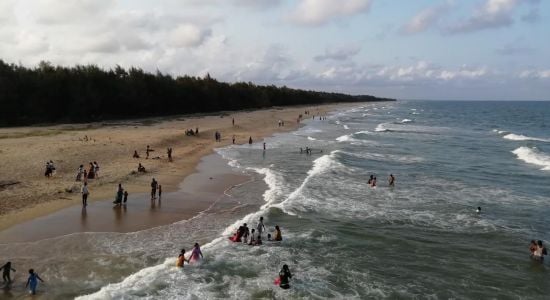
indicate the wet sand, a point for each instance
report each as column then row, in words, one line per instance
column 196, row 193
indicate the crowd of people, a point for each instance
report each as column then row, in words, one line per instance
column 91, row 173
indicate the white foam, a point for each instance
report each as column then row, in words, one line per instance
column 519, row 137
column 381, row 128
column 311, row 138
column 406, row 121
column 533, row 156
column 346, row 127
column 345, row 138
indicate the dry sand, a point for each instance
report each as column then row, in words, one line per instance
column 25, row 193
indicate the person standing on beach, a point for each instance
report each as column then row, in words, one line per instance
column 261, row 227
column 85, row 193
column 96, row 169
column 233, row 121
column 33, row 281
column 154, row 185
column 169, row 152
column 125, row 196
column 160, row 191
column 264, row 146
column 119, row 194
column 6, row 273
column 250, row 140
column 233, row 139
column 147, row 152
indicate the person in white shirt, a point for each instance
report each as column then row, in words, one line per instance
column 85, row 193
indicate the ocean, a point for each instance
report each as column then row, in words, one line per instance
column 342, row 239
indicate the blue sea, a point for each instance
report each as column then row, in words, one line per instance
column 421, row 239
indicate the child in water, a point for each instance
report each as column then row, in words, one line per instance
column 181, row 259
column 33, row 281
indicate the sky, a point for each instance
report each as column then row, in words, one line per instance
column 405, row 49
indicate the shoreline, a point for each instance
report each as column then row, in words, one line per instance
column 116, row 162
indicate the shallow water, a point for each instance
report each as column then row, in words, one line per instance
column 421, row 239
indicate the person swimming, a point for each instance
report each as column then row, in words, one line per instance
column 370, row 180
column 540, row 251
column 478, row 210
column 269, row 237
column 532, row 248
column 196, row 254
column 391, row 180
column 278, row 235
column 181, row 259
column 284, row 276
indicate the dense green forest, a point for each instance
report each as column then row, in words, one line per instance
column 54, row 94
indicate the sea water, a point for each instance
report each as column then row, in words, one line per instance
column 341, row 238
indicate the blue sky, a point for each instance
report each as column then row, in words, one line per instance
column 422, row 49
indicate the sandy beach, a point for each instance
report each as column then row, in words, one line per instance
column 26, row 194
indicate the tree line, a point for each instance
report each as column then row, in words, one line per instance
column 56, row 94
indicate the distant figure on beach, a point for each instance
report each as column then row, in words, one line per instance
column 250, row 140
column 181, row 259
column 278, row 235
column 125, row 197
column 136, row 155
column 147, row 152
column 540, row 251
column 218, row 136
column 96, row 169
column 85, row 193
column 196, row 254
column 50, row 168
column 284, row 277
column 91, row 171
column 141, row 168
column 169, row 153
column 478, row 209
column 261, row 227
column 197, row 131
column 119, row 194
column 154, row 185
column 233, row 121
column 32, row 282
column 233, row 139
column 79, row 173
column 391, row 180
column 160, row 191
column 6, row 272
column 264, row 146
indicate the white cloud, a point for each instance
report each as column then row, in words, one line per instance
column 188, row 35
column 318, row 12
column 492, row 14
column 341, row 53
column 535, row 74
column 425, row 19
